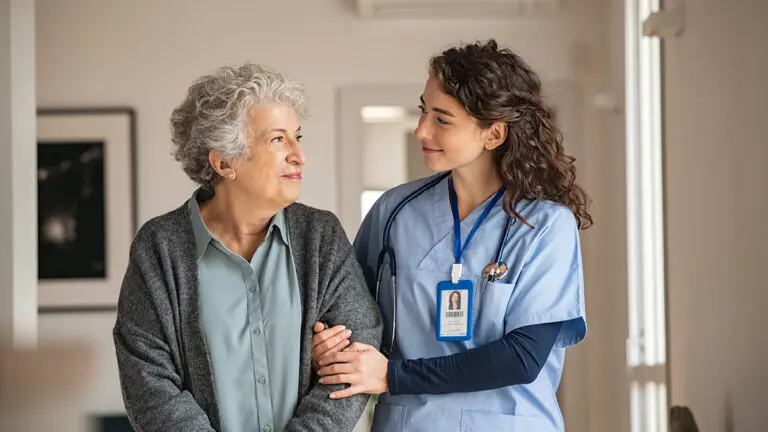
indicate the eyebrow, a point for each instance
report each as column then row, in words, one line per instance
column 281, row 130
column 436, row 109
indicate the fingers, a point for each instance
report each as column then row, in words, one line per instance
column 318, row 327
column 360, row 347
column 327, row 341
column 328, row 348
column 347, row 392
column 340, row 358
column 329, row 338
column 355, row 347
column 324, row 358
column 335, row 369
column 324, row 333
column 339, row 379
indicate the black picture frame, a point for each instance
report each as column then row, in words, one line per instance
column 66, row 132
column 111, row 423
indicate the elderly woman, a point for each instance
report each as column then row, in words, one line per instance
column 214, row 321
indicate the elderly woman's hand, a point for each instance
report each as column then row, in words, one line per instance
column 326, row 342
column 361, row 366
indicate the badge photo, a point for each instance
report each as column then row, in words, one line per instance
column 454, row 310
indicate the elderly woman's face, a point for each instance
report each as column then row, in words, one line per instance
column 273, row 172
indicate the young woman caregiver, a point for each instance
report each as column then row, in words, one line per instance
column 499, row 226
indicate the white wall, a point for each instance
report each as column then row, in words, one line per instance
column 145, row 54
column 717, row 200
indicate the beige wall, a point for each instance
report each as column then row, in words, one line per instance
column 146, row 54
column 716, row 83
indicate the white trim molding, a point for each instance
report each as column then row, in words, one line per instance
column 376, row 9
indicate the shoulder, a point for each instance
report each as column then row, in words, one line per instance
column 313, row 225
column 310, row 218
column 547, row 215
column 554, row 225
column 160, row 230
column 162, row 243
column 315, row 233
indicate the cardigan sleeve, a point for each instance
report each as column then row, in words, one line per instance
column 155, row 399
column 345, row 299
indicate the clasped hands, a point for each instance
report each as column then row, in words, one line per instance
column 337, row 361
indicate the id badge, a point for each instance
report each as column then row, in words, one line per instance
column 454, row 310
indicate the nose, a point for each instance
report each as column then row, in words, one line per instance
column 296, row 156
column 423, row 130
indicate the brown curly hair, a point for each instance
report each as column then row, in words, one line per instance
column 496, row 85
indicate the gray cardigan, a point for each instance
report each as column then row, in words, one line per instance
column 165, row 370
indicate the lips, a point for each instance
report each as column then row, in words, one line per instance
column 429, row 150
column 292, row 176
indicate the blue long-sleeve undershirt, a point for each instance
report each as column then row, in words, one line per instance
column 517, row 358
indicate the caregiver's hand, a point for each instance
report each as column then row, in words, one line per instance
column 361, row 366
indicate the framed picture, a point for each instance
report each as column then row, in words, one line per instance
column 86, row 212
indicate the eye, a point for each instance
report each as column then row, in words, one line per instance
column 441, row 121
column 278, row 139
column 422, row 109
column 299, row 137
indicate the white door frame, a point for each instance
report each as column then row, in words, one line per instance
column 351, row 130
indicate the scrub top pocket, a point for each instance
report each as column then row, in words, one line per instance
column 490, row 310
column 485, row 421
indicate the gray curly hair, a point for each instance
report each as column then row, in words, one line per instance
column 215, row 115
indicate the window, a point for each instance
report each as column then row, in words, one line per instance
column 646, row 344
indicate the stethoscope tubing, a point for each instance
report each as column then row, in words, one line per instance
column 388, row 252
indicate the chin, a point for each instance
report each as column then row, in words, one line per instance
column 436, row 165
column 290, row 197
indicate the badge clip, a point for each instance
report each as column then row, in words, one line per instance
column 455, row 273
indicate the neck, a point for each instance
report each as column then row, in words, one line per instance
column 474, row 184
column 235, row 222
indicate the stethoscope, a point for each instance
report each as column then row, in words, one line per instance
column 492, row 272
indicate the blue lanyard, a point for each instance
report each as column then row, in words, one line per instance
column 458, row 250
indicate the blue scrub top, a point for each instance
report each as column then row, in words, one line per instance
column 543, row 283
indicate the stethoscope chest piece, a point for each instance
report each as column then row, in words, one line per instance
column 494, row 271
